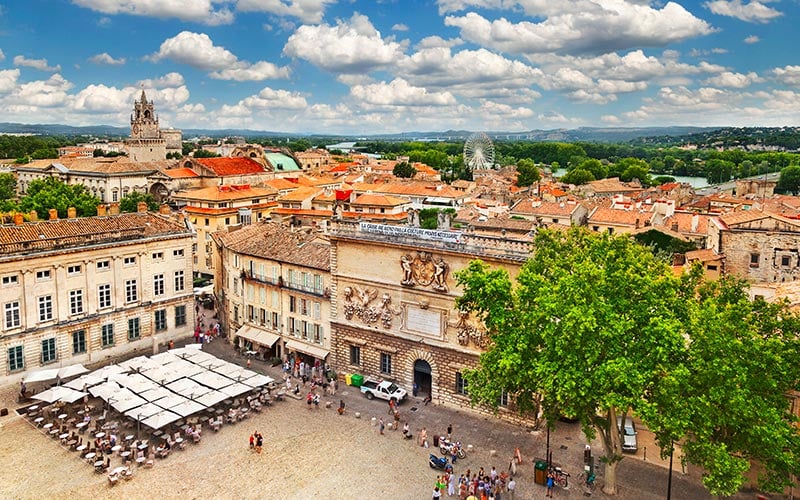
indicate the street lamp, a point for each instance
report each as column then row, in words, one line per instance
column 669, row 477
column 138, row 425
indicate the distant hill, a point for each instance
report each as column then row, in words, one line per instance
column 586, row 134
column 746, row 138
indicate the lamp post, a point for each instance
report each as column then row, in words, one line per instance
column 547, row 452
column 669, row 477
column 138, row 425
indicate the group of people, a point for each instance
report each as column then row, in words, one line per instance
column 106, row 444
column 256, row 441
column 479, row 486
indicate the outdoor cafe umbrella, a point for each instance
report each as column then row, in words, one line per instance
column 211, row 379
column 144, row 411
column 156, row 393
column 59, row 393
column 235, row 389
column 41, row 375
column 105, row 371
column 258, row 380
column 187, row 408
column 125, row 400
column 211, row 398
column 71, row 371
column 87, row 380
column 160, row 419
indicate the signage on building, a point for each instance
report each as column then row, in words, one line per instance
column 414, row 232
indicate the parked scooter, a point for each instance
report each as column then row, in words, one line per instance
column 446, row 448
column 439, row 463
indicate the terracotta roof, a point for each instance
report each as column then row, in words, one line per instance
column 277, row 242
column 281, row 184
column 75, row 233
column 107, row 166
column 530, row 206
column 743, row 216
column 402, row 216
column 379, row 200
column 225, row 192
column 684, row 221
column 611, row 185
column 300, row 194
column 227, row 210
column 180, row 173
column 704, row 255
column 231, row 166
column 619, row 217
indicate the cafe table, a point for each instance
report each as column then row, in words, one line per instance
column 38, row 421
column 80, row 448
column 89, row 456
column 116, row 448
column 48, row 426
column 100, row 435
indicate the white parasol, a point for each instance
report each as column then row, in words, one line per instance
column 160, row 419
column 41, row 375
column 59, row 393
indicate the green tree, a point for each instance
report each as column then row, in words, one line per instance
column 590, row 326
column 130, row 202
column 8, row 186
column 728, row 402
column 577, row 176
column 45, row 194
column 527, row 173
column 718, row 171
column 662, row 179
column 789, row 180
column 204, row 153
column 634, row 168
column 598, row 170
column 404, row 169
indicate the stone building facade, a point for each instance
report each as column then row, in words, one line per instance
column 147, row 141
column 392, row 306
column 758, row 246
column 89, row 289
column 273, row 288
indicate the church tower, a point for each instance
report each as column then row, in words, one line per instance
column 147, row 142
column 144, row 121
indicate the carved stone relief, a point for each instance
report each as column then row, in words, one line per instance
column 424, row 270
column 358, row 304
column 467, row 332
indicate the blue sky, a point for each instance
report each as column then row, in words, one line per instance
column 382, row 66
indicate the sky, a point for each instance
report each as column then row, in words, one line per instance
column 350, row 67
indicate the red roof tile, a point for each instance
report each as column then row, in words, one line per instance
column 231, row 166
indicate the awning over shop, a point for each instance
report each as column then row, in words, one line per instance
column 311, row 350
column 257, row 335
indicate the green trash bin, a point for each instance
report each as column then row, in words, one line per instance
column 540, row 472
column 357, row 380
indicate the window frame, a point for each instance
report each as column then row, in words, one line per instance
column 179, row 281
column 180, row 315
column 160, row 320
column 159, row 285
column 134, row 328
column 462, row 387
column 49, row 350
column 76, row 302
column 386, row 363
column 107, row 335
column 104, row 300
column 12, row 311
column 79, row 342
column 131, row 291
column 16, row 358
column 45, row 307
column 355, row 355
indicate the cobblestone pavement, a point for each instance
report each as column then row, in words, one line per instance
column 319, row 454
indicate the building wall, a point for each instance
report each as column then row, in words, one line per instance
column 246, row 282
column 100, row 185
column 767, row 251
column 76, row 269
column 372, row 309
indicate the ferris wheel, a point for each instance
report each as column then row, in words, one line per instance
column 479, row 152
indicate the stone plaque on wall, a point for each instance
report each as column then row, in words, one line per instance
column 425, row 321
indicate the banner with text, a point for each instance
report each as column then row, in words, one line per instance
column 414, row 232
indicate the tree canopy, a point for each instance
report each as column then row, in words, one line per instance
column 44, row 194
column 789, row 180
column 596, row 326
column 130, row 202
column 577, row 176
column 527, row 173
column 404, row 169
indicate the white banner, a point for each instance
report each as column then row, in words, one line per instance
column 414, row 232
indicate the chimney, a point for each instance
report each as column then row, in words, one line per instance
column 18, row 219
column 675, row 226
column 164, row 209
column 33, row 216
column 101, row 210
column 636, row 225
column 72, row 213
column 141, row 207
column 53, row 214
column 113, row 209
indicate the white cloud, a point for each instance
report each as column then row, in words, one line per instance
column 40, row 64
column 752, row 39
column 610, row 119
column 399, row 92
column 752, row 12
column 198, row 50
column 583, row 27
column 435, row 41
column 105, row 58
column 352, row 46
column 103, row 99
column 789, row 75
column 8, row 80
column 308, row 11
column 201, row 11
column 400, row 27
column 733, row 80
column 172, row 79
column 41, row 93
column 255, row 72
column 2, row 55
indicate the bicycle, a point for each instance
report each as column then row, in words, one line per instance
column 588, row 480
column 560, row 477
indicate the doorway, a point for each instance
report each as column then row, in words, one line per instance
column 422, row 378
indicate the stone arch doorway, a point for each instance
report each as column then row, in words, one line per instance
column 159, row 192
column 422, row 378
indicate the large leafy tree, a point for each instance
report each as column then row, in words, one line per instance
column 789, row 180
column 404, row 169
column 728, row 402
column 578, row 176
column 44, row 194
column 527, row 173
column 130, row 202
column 592, row 325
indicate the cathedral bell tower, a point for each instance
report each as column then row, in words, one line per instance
column 144, row 122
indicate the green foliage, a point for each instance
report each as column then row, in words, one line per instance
column 404, row 169
column 44, row 194
column 130, row 202
column 527, row 173
column 8, row 186
column 590, row 325
column 44, row 153
column 19, row 146
column 299, row 145
column 174, row 155
column 662, row 179
column 187, row 148
column 633, row 168
column 429, row 217
column 598, row 170
column 595, row 326
column 203, row 153
column 663, row 245
column 577, row 176
column 718, row 171
column 789, row 180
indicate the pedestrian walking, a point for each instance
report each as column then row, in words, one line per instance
column 309, row 400
column 451, row 485
column 449, row 431
column 316, row 401
column 423, row 437
column 391, row 406
column 259, row 442
column 512, row 485
column 252, row 441
column 436, row 494
column 396, row 419
column 380, row 426
column 551, row 480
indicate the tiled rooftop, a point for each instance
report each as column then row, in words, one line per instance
column 275, row 241
column 231, row 166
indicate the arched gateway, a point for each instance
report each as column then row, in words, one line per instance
column 422, row 377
